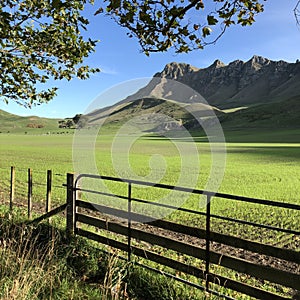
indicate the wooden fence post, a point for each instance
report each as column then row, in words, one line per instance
column 207, row 246
column 129, row 223
column 70, row 230
column 12, row 188
column 48, row 193
column 29, row 206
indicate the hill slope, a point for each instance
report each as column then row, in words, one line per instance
column 268, row 91
column 282, row 114
column 10, row 123
column 259, row 93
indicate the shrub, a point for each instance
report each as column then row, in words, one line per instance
column 34, row 125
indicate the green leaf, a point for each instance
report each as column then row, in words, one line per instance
column 56, row 3
column 206, row 31
column 211, row 20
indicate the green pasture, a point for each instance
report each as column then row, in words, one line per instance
column 268, row 170
column 262, row 170
column 257, row 169
column 267, row 167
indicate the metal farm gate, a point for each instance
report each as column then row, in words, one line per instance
column 207, row 254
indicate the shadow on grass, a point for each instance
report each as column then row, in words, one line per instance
column 39, row 262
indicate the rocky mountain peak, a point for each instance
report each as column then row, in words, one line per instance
column 218, row 64
column 259, row 59
column 237, row 83
column 176, row 70
column 256, row 62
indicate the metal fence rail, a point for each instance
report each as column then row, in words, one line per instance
column 139, row 234
column 123, row 223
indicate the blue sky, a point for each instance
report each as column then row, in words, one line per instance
column 274, row 35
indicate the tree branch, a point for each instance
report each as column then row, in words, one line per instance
column 180, row 13
column 297, row 13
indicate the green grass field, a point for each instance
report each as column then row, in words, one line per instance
column 261, row 170
column 256, row 169
column 263, row 165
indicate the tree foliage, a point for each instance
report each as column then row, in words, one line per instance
column 66, row 123
column 80, row 120
column 41, row 39
column 183, row 24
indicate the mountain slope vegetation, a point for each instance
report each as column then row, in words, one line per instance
column 259, row 93
column 11, row 123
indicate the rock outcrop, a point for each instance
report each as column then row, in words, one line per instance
column 259, row 93
column 239, row 83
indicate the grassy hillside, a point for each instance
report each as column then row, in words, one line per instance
column 10, row 123
column 267, row 117
column 274, row 122
column 276, row 115
column 157, row 111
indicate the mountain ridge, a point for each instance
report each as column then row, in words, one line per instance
column 258, row 92
column 257, row 84
column 234, row 84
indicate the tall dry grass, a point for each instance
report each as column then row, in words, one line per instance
column 27, row 269
column 34, row 265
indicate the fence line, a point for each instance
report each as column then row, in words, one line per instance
column 201, row 250
column 13, row 188
column 210, row 257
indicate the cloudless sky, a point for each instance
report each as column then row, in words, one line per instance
column 274, row 35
